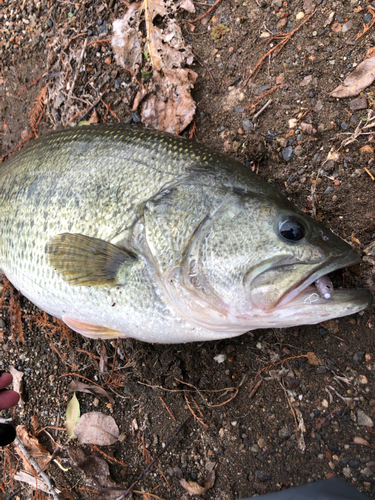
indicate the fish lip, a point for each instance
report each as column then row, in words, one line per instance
column 333, row 264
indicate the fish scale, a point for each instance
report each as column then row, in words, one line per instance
column 127, row 232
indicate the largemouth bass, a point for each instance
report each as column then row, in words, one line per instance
column 124, row 232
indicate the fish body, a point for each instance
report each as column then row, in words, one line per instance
column 126, row 232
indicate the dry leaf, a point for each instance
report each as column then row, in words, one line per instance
column 94, row 118
column 93, row 467
column 103, row 359
column 187, row 5
column 336, row 27
column 97, row 428
column 126, row 40
column 366, row 149
column 307, row 128
column 166, row 102
column 358, row 80
column 76, row 385
column 333, row 155
column 330, row 325
column 36, row 450
column 17, row 383
column 193, row 488
column 329, row 19
column 280, row 79
column 354, row 239
column 313, row 359
column 360, row 440
column 72, row 416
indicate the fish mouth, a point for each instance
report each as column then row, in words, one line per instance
column 317, row 290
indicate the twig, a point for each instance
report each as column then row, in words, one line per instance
column 19, row 145
column 370, row 174
column 87, row 110
column 205, row 14
column 193, row 413
column 255, row 388
column 207, row 68
column 166, row 406
column 256, row 101
column 37, row 468
column 79, row 63
column 129, row 490
column 279, row 362
column 262, row 109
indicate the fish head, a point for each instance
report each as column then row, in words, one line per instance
column 253, row 264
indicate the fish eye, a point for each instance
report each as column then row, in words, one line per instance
column 291, row 229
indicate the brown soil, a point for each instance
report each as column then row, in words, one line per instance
column 251, row 439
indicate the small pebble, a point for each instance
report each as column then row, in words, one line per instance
column 322, row 330
column 359, row 357
column 262, row 476
column 327, row 191
column 364, row 419
column 358, row 103
column 247, row 124
column 287, row 153
column 344, row 126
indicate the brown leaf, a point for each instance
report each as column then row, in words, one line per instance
column 336, row 27
column 97, row 428
column 94, row 118
column 166, row 102
column 193, row 488
column 358, row 80
column 187, row 5
column 103, row 359
column 366, row 150
column 172, row 107
column 76, row 385
column 126, row 40
column 280, row 79
column 36, row 450
column 313, row 359
column 360, row 440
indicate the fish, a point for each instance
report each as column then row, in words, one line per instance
column 126, row 232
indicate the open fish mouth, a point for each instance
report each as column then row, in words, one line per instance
column 318, row 290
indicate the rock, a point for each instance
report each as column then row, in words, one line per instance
column 306, row 81
column 347, row 471
column 359, row 357
column 358, row 103
column 364, row 419
column 284, row 433
column 322, row 330
column 247, row 124
column 347, row 26
column 300, row 16
column 321, row 370
column 370, row 249
column 291, row 382
column 344, row 126
column 262, row 476
column 254, row 448
column 327, row 191
column 309, row 6
column 282, row 141
column 367, row 472
column 367, row 18
column 2, row 323
column 287, row 153
column 353, row 464
column 135, row 117
column 298, row 151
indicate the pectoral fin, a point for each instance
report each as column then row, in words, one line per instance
column 85, row 261
column 92, row 331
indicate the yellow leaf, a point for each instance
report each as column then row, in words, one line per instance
column 73, row 414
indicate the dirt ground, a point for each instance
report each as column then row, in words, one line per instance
column 263, row 425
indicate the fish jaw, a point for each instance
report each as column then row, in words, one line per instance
column 308, row 308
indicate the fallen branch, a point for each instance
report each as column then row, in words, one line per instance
column 37, row 468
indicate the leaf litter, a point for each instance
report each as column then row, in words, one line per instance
column 162, row 56
column 96, row 428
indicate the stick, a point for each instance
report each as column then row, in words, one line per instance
column 262, row 109
column 79, row 62
column 205, row 14
column 37, row 468
column 129, row 490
